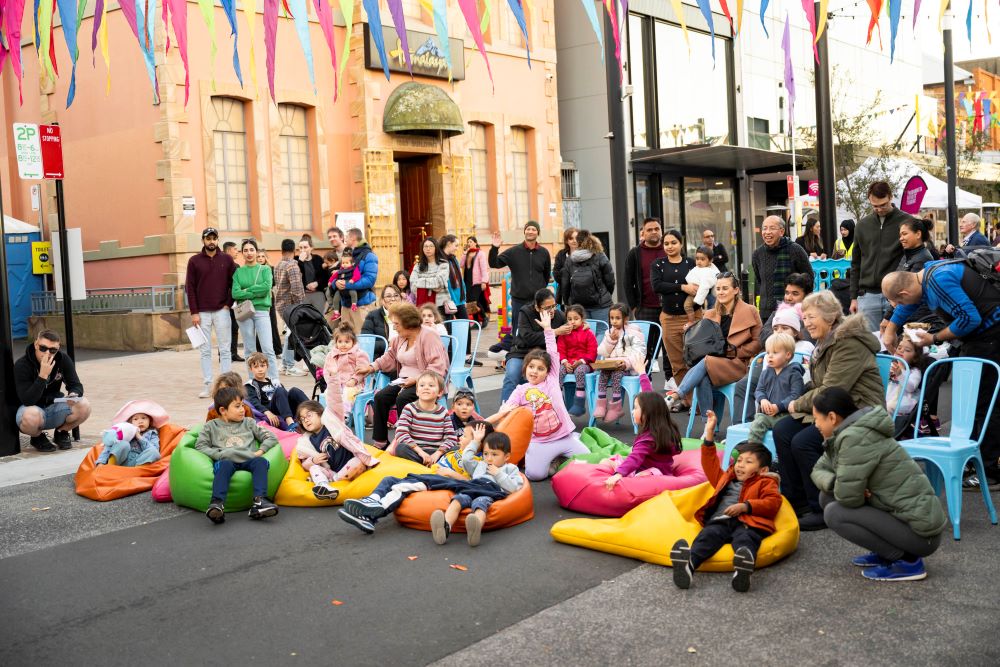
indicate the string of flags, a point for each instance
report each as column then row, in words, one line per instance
column 142, row 17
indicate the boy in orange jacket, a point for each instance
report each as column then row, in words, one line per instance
column 741, row 511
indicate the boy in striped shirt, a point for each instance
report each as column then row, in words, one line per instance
column 424, row 431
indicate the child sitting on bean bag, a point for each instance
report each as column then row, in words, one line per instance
column 493, row 478
column 741, row 511
column 655, row 447
column 233, row 380
column 136, row 440
column 451, row 464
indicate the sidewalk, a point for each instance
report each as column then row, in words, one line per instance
column 172, row 379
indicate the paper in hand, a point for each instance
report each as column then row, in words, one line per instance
column 196, row 336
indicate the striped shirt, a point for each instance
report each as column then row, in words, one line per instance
column 427, row 429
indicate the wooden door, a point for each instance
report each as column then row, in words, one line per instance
column 414, row 208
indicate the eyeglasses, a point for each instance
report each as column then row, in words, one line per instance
column 390, row 297
column 44, row 349
column 550, row 309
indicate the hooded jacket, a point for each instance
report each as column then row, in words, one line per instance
column 846, row 359
column 33, row 390
column 862, row 456
column 759, row 492
column 603, row 280
column 876, row 251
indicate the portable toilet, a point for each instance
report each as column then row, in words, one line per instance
column 21, row 282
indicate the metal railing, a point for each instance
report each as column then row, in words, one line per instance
column 156, row 298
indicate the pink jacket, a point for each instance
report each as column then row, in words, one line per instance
column 545, row 399
column 480, row 267
column 630, row 346
column 344, row 364
column 333, row 420
column 431, row 354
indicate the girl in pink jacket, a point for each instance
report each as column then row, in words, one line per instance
column 552, row 434
column 343, row 361
column 623, row 343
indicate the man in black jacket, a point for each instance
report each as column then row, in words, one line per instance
column 530, row 268
column 38, row 377
column 639, row 295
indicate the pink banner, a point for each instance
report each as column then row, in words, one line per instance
column 913, row 195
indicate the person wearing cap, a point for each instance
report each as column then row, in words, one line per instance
column 209, row 284
column 530, row 269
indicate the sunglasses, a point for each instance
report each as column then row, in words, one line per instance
column 464, row 393
column 45, row 349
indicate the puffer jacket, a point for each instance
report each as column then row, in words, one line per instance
column 603, row 279
column 629, row 346
column 579, row 344
column 846, row 359
column 862, row 456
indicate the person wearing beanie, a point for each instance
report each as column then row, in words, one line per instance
column 530, row 268
column 787, row 320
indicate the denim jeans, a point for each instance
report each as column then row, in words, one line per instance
column 257, row 467
column 600, row 314
column 219, row 319
column 257, row 328
column 288, row 353
column 874, row 307
column 511, row 378
column 697, row 380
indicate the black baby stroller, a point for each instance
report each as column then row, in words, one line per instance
column 307, row 329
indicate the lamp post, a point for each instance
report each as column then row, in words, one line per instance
column 824, row 142
column 950, row 138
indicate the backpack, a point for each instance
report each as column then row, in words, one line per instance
column 703, row 339
column 585, row 286
column 985, row 261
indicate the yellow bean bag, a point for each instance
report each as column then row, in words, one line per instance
column 296, row 487
column 648, row 531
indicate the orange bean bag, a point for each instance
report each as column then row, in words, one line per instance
column 415, row 511
column 110, row 482
column 517, row 424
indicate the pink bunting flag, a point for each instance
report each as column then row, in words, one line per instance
column 399, row 22
column 13, row 15
column 472, row 20
column 178, row 19
column 325, row 18
column 270, row 39
column 810, row 9
column 609, row 6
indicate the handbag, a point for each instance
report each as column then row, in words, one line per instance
column 450, row 307
column 244, row 310
column 703, row 339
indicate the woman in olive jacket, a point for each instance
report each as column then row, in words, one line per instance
column 873, row 494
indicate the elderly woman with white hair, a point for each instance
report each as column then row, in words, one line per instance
column 844, row 357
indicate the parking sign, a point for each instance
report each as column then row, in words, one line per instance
column 28, row 148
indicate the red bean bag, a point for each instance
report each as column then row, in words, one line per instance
column 110, row 482
column 415, row 511
column 580, row 486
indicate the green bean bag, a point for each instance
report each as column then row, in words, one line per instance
column 192, row 473
column 602, row 446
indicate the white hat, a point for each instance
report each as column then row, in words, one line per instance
column 788, row 317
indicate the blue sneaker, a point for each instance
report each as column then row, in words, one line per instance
column 899, row 570
column 870, row 559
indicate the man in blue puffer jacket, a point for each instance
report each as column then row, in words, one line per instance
column 366, row 262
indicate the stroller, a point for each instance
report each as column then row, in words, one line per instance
column 308, row 329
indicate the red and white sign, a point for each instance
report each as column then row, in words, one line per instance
column 814, row 188
column 792, row 189
column 52, row 157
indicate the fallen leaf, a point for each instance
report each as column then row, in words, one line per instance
column 692, row 649
column 412, row 557
column 336, row 603
column 40, row 509
column 458, row 567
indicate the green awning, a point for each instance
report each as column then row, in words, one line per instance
column 419, row 108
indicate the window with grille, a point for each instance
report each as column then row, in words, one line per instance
column 229, row 152
column 570, row 182
column 520, row 190
column 759, row 133
column 479, row 152
column 293, row 141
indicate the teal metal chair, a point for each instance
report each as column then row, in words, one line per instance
column 462, row 331
column 630, row 383
column 946, row 456
column 884, row 362
column 373, row 383
column 598, row 328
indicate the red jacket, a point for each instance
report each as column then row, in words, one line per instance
column 579, row 344
column 760, row 492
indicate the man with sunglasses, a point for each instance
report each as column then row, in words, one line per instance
column 876, row 253
column 39, row 377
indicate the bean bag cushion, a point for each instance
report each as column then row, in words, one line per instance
column 580, row 486
column 286, row 439
column 650, row 530
column 191, row 476
column 109, row 482
column 161, row 488
column 517, row 424
column 415, row 511
column 602, row 446
column 296, row 487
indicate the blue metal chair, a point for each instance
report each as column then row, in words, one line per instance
column 825, row 271
column 630, row 383
column 884, row 362
column 946, row 456
column 451, row 345
column 461, row 332
column 598, row 328
column 728, row 392
column 373, row 383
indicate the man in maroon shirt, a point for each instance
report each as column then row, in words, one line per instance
column 642, row 300
column 209, row 286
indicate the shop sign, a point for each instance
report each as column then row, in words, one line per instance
column 426, row 55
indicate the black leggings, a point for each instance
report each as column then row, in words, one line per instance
column 799, row 446
column 384, row 400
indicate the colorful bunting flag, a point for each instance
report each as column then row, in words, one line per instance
column 916, row 12
column 270, row 40
column 725, row 11
column 44, row 11
column 301, row 19
column 399, row 22
column 440, row 12
column 207, row 8
column 591, row 10
column 325, row 18
column 472, row 20
column 347, row 9
column 609, row 7
column 895, row 7
column 522, row 22
column 763, row 8
column 13, row 15
column 810, row 9
column 821, row 19
column 739, row 16
column 133, row 16
column 968, row 22
column 375, row 25
column 786, row 46
column 706, row 11
column 178, row 20
column 250, row 14
column 229, row 7
column 876, row 9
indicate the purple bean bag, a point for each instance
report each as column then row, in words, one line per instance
column 580, row 486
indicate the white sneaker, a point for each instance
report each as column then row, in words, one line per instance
column 670, row 385
column 294, row 371
column 655, row 367
column 496, row 356
column 204, row 392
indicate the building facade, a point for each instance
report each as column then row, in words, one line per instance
column 143, row 178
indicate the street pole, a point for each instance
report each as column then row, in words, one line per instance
column 951, row 150
column 617, row 148
column 64, row 270
column 824, row 142
column 10, row 438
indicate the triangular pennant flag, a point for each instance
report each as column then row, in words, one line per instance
column 895, row 7
column 301, row 19
column 440, row 12
column 810, row 9
column 207, row 8
column 968, row 22
column 270, row 41
column 178, row 19
column 725, row 11
column 786, row 46
column 375, row 26
column 229, row 7
column 250, row 14
column 609, row 6
column 763, row 8
column 916, row 12
column 44, row 30
column 943, row 8
column 325, row 18
column 876, row 9
column 472, row 20
column 399, row 23
column 134, row 19
column 13, row 16
column 706, row 11
column 522, row 22
column 347, row 10
column 739, row 16
column 591, row 11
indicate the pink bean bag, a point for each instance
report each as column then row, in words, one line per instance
column 580, row 486
column 286, row 439
column 161, row 488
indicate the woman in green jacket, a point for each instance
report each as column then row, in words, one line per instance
column 873, row 494
column 252, row 282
